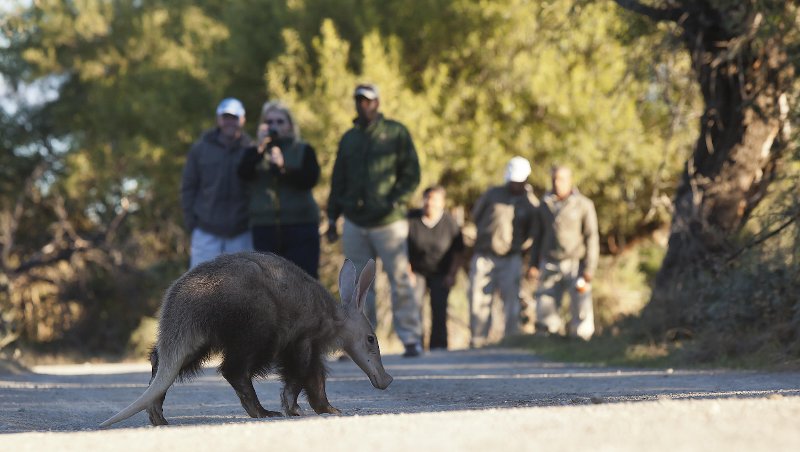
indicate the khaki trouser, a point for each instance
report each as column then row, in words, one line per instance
column 555, row 279
column 488, row 274
column 389, row 244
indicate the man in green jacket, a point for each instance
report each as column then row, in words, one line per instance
column 375, row 173
column 564, row 257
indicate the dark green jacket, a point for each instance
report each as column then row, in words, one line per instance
column 375, row 173
column 282, row 197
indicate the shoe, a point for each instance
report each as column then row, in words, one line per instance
column 412, row 350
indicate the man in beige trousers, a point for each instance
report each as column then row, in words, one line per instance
column 504, row 217
column 564, row 257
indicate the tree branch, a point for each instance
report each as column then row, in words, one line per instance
column 14, row 218
column 45, row 260
column 656, row 14
column 766, row 236
column 117, row 221
column 9, row 338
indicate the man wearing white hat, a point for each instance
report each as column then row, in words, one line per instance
column 213, row 197
column 505, row 217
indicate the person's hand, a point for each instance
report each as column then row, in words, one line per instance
column 587, row 277
column 331, row 234
column 262, row 132
column 449, row 281
column 533, row 273
column 262, row 138
column 276, row 157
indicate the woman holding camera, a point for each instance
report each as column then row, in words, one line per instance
column 281, row 171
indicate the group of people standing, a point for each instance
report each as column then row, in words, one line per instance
column 241, row 194
column 238, row 194
column 560, row 234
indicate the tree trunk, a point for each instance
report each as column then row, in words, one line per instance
column 735, row 158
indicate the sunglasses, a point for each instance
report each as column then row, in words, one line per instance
column 277, row 122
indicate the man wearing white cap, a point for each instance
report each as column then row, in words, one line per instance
column 213, row 197
column 506, row 217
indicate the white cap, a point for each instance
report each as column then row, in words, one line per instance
column 367, row 90
column 230, row 106
column 518, row 170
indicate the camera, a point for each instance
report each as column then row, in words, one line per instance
column 272, row 134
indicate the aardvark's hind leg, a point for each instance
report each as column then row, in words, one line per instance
column 289, row 396
column 156, row 410
column 242, row 383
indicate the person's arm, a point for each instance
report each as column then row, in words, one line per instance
column 591, row 239
column 457, row 258
column 305, row 177
column 537, row 229
column 413, row 252
column 408, row 172
column 190, row 185
column 338, row 185
column 247, row 165
column 478, row 209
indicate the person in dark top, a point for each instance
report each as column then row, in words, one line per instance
column 435, row 247
column 281, row 171
column 375, row 173
column 213, row 199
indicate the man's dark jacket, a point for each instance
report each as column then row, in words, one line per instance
column 375, row 173
column 213, row 196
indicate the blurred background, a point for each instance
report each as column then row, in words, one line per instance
column 100, row 101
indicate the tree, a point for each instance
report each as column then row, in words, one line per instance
column 742, row 56
column 89, row 207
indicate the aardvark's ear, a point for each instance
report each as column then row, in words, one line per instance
column 347, row 281
column 364, row 281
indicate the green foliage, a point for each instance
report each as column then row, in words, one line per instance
column 621, row 287
column 143, row 337
column 534, row 79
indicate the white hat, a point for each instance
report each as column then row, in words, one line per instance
column 518, row 170
column 367, row 90
column 230, row 106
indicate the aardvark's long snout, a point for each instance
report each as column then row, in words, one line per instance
column 373, row 367
column 381, row 381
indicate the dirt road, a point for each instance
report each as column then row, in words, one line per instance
column 466, row 400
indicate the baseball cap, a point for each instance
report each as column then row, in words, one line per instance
column 367, row 90
column 230, row 106
column 518, row 170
